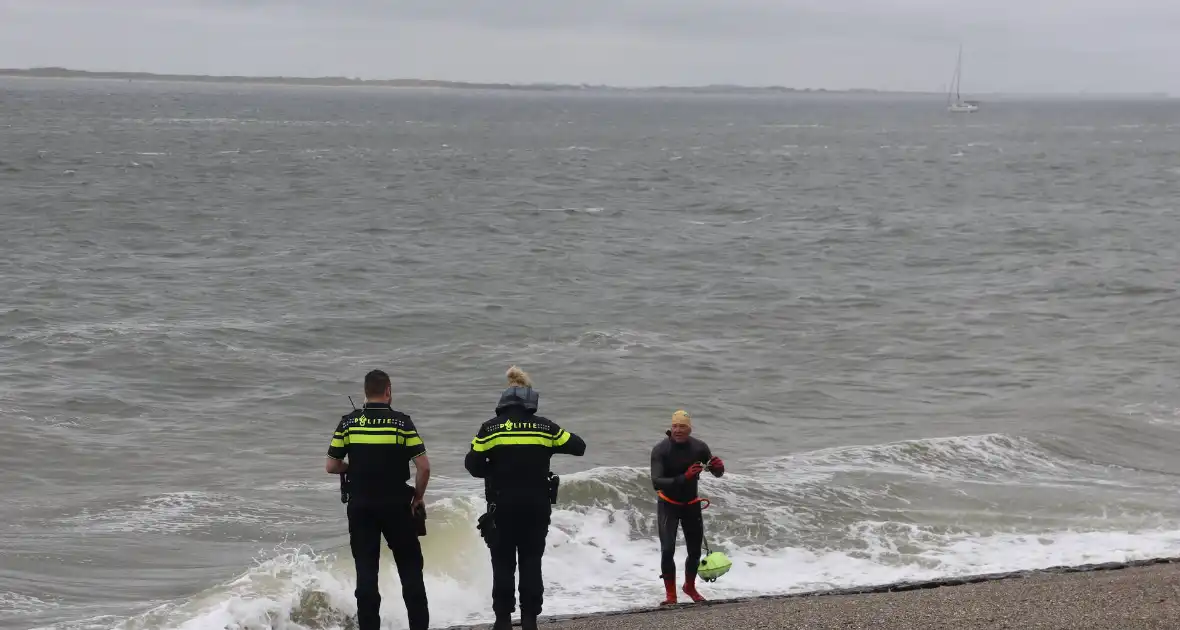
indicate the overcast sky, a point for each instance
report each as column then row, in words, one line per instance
column 1010, row 45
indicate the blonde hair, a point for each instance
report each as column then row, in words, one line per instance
column 518, row 377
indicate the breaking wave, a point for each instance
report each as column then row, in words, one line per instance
column 825, row 519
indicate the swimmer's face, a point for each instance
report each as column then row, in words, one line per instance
column 680, row 431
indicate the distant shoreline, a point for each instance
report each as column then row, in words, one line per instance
column 67, row 73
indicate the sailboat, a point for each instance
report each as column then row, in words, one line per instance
column 954, row 100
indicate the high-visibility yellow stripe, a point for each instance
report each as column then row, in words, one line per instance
column 371, row 438
column 513, row 439
column 384, row 438
column 561, row 438
column 339, row 443
column 499, row 434
column 355, row 430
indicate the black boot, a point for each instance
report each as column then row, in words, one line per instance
column 503, row 622
column 528, row 622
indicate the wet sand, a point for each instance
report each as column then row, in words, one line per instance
column 1116, row 596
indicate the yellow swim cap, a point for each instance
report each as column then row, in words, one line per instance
column 681, row 417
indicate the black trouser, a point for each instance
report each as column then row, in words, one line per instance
column 368, row 521
column 670, row 517
column 520, row 532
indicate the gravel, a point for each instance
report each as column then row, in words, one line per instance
column 1132, row 596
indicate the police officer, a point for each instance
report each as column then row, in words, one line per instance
column 380, row 442
column 676, row 465
column 511, row 453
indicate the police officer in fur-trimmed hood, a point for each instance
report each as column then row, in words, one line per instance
column 511, row 453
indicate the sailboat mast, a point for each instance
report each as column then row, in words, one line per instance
column 954, row 95
column 959, row 75
column 952, row 90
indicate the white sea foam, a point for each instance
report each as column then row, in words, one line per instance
column 16, row 604
column 185, row 511
column 977, row 458
column 593, row 563
column 602, row 553
column 1156, row 413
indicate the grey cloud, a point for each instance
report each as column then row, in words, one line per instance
column 711, row 18
column 937, row 20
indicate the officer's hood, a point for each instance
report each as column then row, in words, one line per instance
column 525, row 398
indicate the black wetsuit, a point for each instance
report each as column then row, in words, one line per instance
column 669, row 461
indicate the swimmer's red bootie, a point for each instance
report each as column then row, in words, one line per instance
column 670, row 589
column 690, row 588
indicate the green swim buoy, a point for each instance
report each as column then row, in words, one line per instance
column 713, row 566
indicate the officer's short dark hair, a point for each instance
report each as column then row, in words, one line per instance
column 375, row 383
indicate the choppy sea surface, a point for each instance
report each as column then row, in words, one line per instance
column 925, row 344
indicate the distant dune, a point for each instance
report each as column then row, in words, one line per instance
column 66, row 73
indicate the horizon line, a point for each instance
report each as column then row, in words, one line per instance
column 345, row 81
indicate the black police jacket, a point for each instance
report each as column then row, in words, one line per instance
column 511, row 453
column 380, row 442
